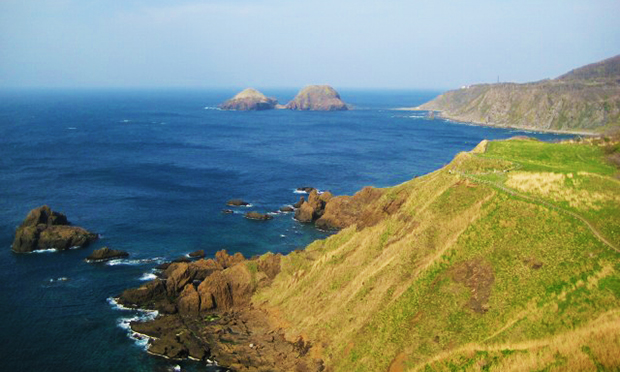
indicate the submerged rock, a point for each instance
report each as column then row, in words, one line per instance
column 46, row 229
column 286, row 209
column 249, row 100
column 306, row 189
column 105, row 254
column 317, row 98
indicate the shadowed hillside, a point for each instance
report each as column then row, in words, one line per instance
column 585, row 99
column 505, row 259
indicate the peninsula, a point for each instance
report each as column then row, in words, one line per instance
column 584, row 100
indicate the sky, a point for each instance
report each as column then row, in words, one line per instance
column 388, row 44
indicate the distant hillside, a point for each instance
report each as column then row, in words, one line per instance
column 504, row 260
column 586, row 99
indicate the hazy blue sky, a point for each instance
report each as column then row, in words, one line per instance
column 291, row 43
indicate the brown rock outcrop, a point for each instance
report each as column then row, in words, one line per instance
column 249, row 100
column 258, row 216
column 317, row 98
column 360, row 209
column 223, row 258
column 299, row 203
column 45, row 229
column 177, row 276
column 215, row 293
column 216, row 319
column 189, row 301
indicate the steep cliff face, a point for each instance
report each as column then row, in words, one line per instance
column 480, row 264
column 585, row 99
column 317, row 98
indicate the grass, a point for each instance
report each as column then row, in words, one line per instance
column 467, row 276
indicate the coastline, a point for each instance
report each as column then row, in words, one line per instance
column 457, row 120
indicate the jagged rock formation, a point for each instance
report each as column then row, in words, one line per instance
column 249, row 100
column 585, row 99
column 317, row 98
column 46, row 229
column 105, row 254
column 207, row 314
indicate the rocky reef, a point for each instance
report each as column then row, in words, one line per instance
column 46, row 229
column 206, row 312
column 317, row 98
column 249, row 100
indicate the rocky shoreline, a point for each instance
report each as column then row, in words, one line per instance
column 201, row 308
column 206, row 313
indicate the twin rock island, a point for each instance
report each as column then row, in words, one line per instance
column 310, row 98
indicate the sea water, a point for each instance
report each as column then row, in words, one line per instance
column 150, row 171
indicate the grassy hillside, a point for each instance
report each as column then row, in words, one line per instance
column 586, row 99
column 507, row 258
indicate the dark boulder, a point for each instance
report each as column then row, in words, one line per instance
column 258, row 216
column 46, row 229
column 287, row 208
column 105, row 254
column 306, row 189
column 237, row 203
column 197, row 254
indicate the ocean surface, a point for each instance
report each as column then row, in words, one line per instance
column 150, row 171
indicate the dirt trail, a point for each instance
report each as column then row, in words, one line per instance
column 594, row 231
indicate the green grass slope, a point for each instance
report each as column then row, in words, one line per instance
column 586, row 99
column 506, row 259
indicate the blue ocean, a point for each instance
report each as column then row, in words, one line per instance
column 151, row 170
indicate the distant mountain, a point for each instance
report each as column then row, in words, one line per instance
column 586, row 99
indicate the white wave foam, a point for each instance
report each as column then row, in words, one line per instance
column 282, row 236
column 212, row 108
column 61, row 279
column 148, row 276
column 125, row 121
column 143, row 315
column 45, row 250
column 299, row 192
column 71, row 128
column 143, row 261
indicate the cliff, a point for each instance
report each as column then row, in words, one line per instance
column 317, row 98
column 249, row 100
column 586, row 99
column 505, row 259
